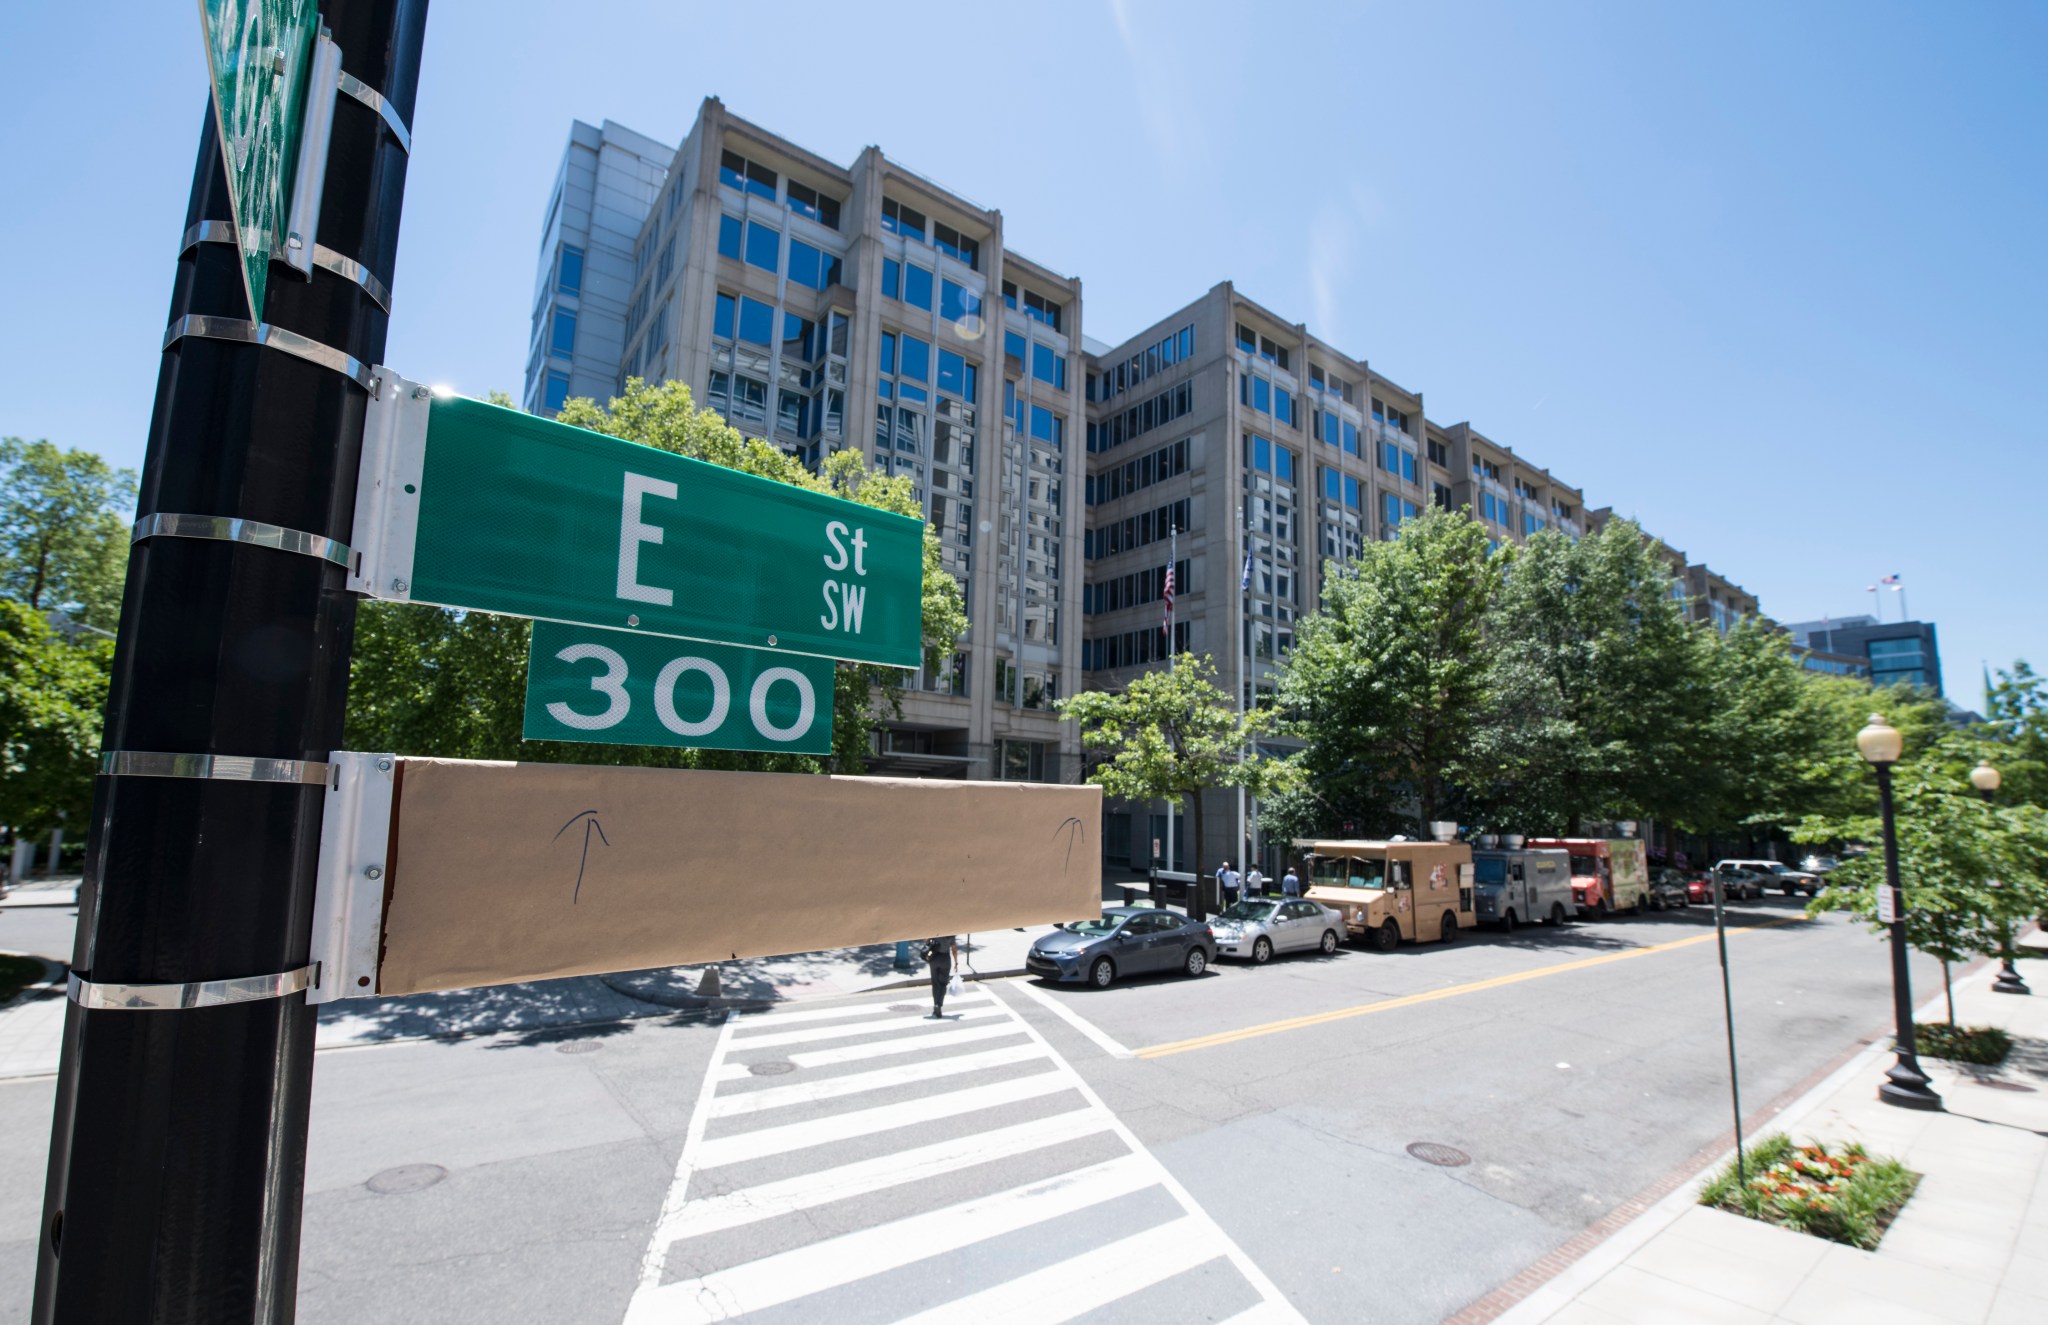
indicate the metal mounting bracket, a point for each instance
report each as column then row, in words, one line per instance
column 348, row 899
column 167, row 524
column 388, row 488
column 192, row 994
column 205, row 327
column 316, row 131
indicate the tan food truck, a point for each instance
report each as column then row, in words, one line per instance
column 1389, row 891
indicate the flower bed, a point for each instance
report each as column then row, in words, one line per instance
column 1845, row 1195
column 1985, row 1045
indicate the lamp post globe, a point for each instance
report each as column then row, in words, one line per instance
column 1985, row 778
column 1905, row 1084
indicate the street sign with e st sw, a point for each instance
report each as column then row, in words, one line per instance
column 256, row 56
column 471, row 505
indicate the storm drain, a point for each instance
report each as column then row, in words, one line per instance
column 578, row 1047
column 774, row 1067
column 406, row 1178
column 1444, row 1157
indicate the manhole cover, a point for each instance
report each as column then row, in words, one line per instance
column 578, row 1047
column 772, row 1068
column 406, row 1178
column 1444, row 1157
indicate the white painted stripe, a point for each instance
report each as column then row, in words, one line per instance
column 1276, row 1307
column 693, row 1136
column 813, row 1034
column 1058, row 1008
column 1265, row 1313
column 1078, row 1286
column 873, row 1006
column 903, row 1044
column 927, row 1069
column 866, row 1122
column 806, row 1191
column 787, row 1276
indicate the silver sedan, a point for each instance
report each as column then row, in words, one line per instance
column 1256, row 928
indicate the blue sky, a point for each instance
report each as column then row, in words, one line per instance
column 1767, row 277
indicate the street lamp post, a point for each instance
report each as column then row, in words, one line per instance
column 1985, row 779
column 1906, row 1085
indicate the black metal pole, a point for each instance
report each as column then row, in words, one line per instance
column 2008, row 981
column 1905, row 1084
column 1728, row 1013
column 177, row 1153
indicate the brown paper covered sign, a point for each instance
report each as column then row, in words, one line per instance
column 502, row 872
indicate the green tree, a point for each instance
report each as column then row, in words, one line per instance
column 52, row 694
column 1389, row 684
column 430, row 681
column 2016, row 734
column 1173, row 734
column 63, row 536
column 1608, row 675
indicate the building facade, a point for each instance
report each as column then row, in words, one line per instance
column 1890, row 652
column 826, row 307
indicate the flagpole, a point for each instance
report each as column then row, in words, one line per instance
column 1244, row 676
column 1172, row 835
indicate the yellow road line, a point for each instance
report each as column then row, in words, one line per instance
column 1430, row 996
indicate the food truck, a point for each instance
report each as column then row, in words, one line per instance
column 1608, row 874
column 1393, row 890
column 1517, row 886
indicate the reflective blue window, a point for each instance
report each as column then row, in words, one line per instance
column 957, row 302
column 885, row 389
column 917, row 286
column 1187, row 342
column 562, row 338
column 916, row 360
column 905, row 391
column 728, row 236
column 763, row 246
column 1408, row 465
column 812, row 266
column 557, row 393
column 1013, row 344
column 1351, row 492
column 1262, row 454
column 797, row 337
column 1332, row 484
column 1047, row 426
column 1262, row 395
column 1048, row 367
column 956, row 375
column 1351, row 437
column 888, row 351
column 722, row 319
column 1283, row 405
column 1283, row 464
column 892, row 278
column 757, row 321
column 569, row 275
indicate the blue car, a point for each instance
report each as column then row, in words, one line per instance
column 1127, row 940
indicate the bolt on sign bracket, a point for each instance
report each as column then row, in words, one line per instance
column 348, row 899
column 388, row 488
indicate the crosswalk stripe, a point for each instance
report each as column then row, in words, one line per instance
column 1079, row 1285
column 806, row 1191
column 811, row 1092
column 902, row 1044
column 787, row 1276
column 869, row 1008
column 812, row 1034
column 767, row 1141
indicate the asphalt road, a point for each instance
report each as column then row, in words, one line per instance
column 1233, row 1145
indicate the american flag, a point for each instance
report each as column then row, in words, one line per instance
column 1166, row 625
column 1892, row 580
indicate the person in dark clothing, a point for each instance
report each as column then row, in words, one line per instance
column 939, row 952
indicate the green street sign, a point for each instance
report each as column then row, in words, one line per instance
column 256, row 55
column 625, row 688
column 475, row 506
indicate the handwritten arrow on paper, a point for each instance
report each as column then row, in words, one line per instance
column 589, row 818
column 1070, row 826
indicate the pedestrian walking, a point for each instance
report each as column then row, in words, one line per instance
column 1254, row 882
column 1225, row 888
column 1290, row 883
column 939, row 952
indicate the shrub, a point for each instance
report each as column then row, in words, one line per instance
column 1986, row 1045
column 1844, row 1196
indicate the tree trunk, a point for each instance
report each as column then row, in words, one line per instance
column 1949, row 990
column 1198, row 892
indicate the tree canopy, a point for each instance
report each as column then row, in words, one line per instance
column 53, row 692
column 63, row 538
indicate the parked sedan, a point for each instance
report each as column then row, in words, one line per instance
column 1668, row 890
column 1260, row 927
column 1127, row 940
column 1698, row 888
column 1737, row 882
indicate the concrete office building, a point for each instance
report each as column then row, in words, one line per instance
column 1892, row 651
column 608, row 179
column 824, row 307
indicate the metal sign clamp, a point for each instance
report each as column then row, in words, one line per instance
column 110, row 996
column 166, row 524
column 388, row 478
column 348, row 897
column 202, row 326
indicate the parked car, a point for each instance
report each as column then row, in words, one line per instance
column 1668, row 890
column 1737, row 882
column 1257, row 928
column 1698, row 887
column 1775, row 875
column 1126, row 940
column 1819, row 864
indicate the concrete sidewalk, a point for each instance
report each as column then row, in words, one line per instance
column 1970, row 1246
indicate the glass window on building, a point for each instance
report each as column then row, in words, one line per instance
column 956, row 245
column 562, row 338
column 957, row 303
column 900, row 220
column 757, row 322
column 807, row 201
column 729, row 232
column 569, row 272
column 736, row 172
column 557, row 392
column 917, row 286
column 914, row 358
column 764, row 245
